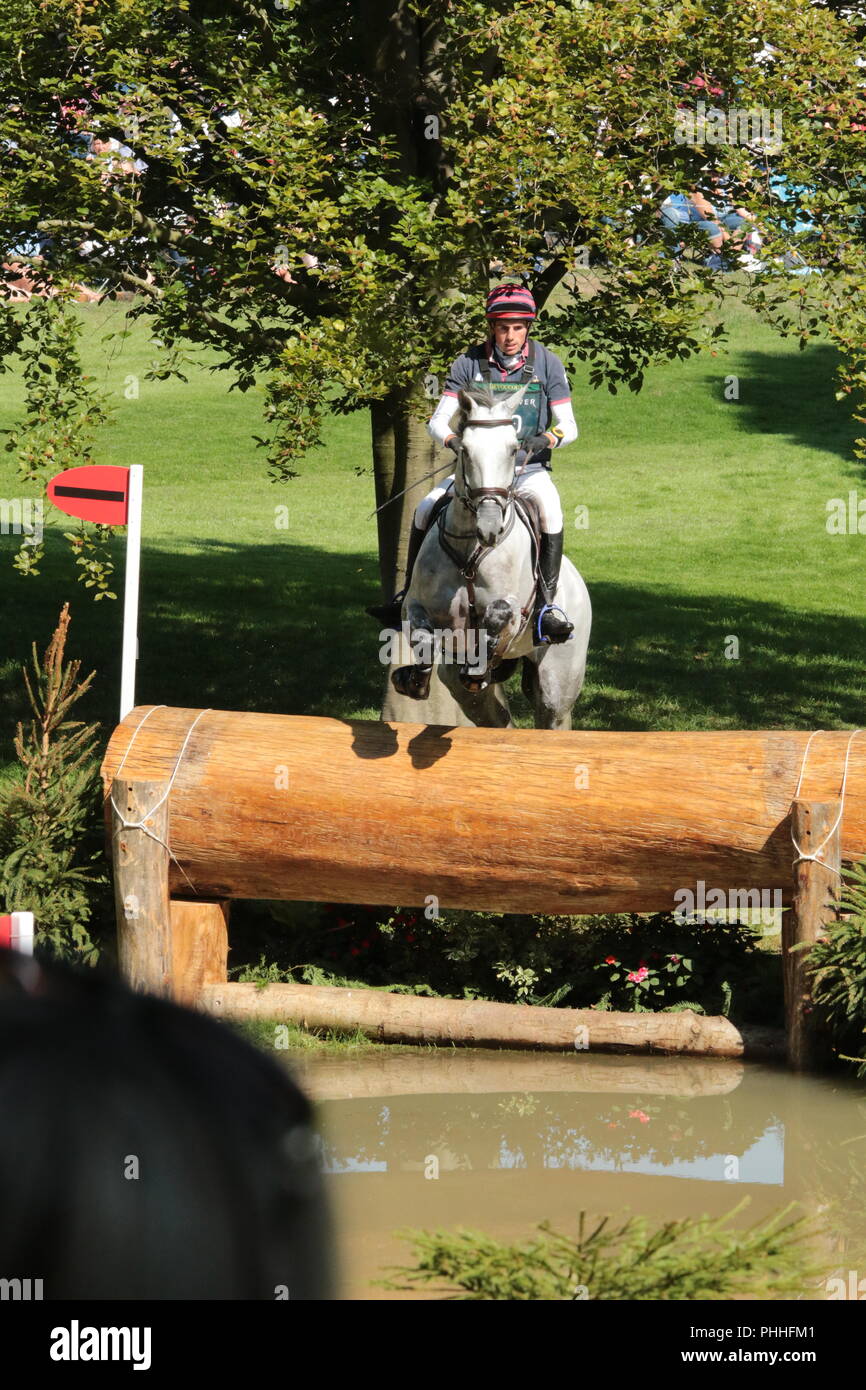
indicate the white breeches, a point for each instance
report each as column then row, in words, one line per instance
column 536, row 480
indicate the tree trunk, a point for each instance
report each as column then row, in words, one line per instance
column 403, row 456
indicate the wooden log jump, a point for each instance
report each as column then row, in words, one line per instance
column 410, row 1018
column 276, row 806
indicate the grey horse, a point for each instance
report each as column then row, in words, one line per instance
column 470, row 600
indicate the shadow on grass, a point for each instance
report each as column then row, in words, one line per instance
column 791, row 394
column 658, row 662
column 281, row 629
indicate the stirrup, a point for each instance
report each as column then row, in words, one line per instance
column 540, row 639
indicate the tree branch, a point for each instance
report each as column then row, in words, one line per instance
column 545, row 283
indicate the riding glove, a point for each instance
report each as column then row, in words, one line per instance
column 536, row 444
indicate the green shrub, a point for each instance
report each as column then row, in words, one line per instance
column 689, row 1259
column 838, row 966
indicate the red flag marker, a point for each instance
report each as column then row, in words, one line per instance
column 95, row 493
column 111, row 495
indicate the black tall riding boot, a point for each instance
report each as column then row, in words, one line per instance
column 549, row 624
column 388, row 614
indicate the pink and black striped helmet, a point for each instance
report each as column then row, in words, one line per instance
column 510, row 302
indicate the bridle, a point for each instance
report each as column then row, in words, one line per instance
column 472, row 497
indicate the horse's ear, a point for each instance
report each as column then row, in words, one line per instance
column 465, row 402
column 510, row 403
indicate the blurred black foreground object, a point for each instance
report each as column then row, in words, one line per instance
column 147, row 1152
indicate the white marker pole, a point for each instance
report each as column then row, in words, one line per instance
column 130, row 596
column 22, row 932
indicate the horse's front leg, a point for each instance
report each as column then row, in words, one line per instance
column 414, row 680
column 475, row 672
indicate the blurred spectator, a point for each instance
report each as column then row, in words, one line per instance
column 119, row 160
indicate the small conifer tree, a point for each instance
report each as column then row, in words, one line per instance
column 50, row 813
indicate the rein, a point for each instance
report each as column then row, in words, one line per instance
column 472, row 499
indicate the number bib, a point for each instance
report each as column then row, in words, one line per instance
column 529, row 410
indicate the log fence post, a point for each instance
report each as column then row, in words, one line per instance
column 817, row 889
column 141, row 860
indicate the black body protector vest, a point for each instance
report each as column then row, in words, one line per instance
column 529, row 409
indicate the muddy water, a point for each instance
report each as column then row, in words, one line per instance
column 501, row 1141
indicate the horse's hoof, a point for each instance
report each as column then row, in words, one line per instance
column 387, row 615
column 413, row 681
column 474, row 682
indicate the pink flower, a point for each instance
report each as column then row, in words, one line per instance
column 611, row 960
column 639, row 1115
column 675, row 960
column 636, row 976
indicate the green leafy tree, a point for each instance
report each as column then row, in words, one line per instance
column 317, row 190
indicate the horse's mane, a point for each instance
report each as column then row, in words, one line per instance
column 481, row 395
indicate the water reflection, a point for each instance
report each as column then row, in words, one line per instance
column 501, row 1141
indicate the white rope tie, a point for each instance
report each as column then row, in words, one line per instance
column 142, row 824
column 816, row 857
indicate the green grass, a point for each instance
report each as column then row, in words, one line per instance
column 262, row 1032
column 706, row 519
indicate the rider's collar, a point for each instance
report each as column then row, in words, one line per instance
column 501, row 363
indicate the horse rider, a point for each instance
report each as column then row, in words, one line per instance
column 507, row 360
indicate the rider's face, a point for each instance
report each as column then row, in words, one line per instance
column 509, row 335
